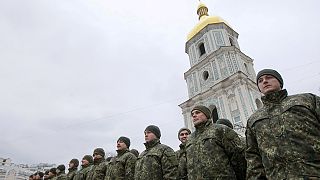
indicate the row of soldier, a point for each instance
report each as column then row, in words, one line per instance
column 282, row 142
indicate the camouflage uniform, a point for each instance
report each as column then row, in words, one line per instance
column 82, row 174
column 215, row 151
column 283, row 138
column 182, row 160
column 61, row 176
column 98, row 170
column 72, row 172
column 157, row 162
column 122, row 166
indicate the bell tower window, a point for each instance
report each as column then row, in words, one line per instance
column 202, row 50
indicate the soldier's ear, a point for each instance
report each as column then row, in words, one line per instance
column 214, row 114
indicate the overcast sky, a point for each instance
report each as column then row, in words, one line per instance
column 77, row 74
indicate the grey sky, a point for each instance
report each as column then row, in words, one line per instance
column 77, row 74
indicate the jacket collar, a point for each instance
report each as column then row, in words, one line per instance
column 152, row 143
column 274, row 97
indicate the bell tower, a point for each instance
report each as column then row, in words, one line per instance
column 220, row 74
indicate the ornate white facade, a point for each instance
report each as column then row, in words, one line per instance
column 220, row 74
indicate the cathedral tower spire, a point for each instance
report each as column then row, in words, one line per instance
column 220, row 74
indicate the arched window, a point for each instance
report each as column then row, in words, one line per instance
column 202, row 50
column 231, row 42
column 246, row 68
column 205, row 75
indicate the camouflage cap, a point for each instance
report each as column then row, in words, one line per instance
column 61, row 167
column 125, row 140
column 135, row 152
column 75, row 162
column 154, row 129
column 203, row 109
column 88, row 158
column 271, row 72
column 225, row 122
column 99, row 151
column 53, row 170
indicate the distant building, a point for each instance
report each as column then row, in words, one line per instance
column 221, row 75
column 11, row 171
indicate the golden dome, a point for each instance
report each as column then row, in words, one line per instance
column 204, row 20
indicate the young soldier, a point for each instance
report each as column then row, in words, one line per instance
column 98, row 170
column 122, row 166
column 158, row 161
column 283, row 137
column 183, row 135
column 61, row 175
column 213, row 151
column 73, row 167
column 86, row 165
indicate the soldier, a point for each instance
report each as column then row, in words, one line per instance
column 225, row 122
column 135, row 152
column 52, row 173
column 283, row 137
column 158, row 161
column 61, row 175
column 213, row 151
column 73, row 167
column 86, row 165
column 183, row 135
column 98, row 170
column 122, row 166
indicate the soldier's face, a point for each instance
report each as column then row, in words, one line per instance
column 51, row 174
column 268, row 83
column 183, row 136
column 96, row 156
column 71, row 165
column 149, row 136
column 121, row 145
column 198, row 117
column 84, row 162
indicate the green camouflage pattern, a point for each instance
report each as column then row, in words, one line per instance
column 98, row 170
column 215, row 151
column 82, row 174
column 72, row 172
column 61, row 176
column 122, row 166
column 157, row 162
column 182, row 160
column 283, row 138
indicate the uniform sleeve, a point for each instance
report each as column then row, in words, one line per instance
column 255, row 169
column 182, row 166
column 235, row 150
column 169, row 164
column 130, row 166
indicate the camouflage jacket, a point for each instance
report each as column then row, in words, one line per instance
column 82, row 174
column 182, row 160
column 61, row 176
column 98, row 170
column 72, row 172
column 157, row 162
column 122, row 166
column 214, row 151
column 283, row 137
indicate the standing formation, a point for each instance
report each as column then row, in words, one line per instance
column 282, row 142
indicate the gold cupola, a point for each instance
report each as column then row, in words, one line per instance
column 204, row 20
